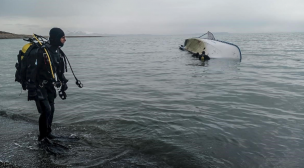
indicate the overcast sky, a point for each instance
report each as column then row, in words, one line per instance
column 152, row 16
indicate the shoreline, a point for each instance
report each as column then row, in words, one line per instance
column 30, row 36
column 19, row 146
column 7, row 35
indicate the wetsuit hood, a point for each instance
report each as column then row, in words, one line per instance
column 55, row 36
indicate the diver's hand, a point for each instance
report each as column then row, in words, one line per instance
column 57, row 84
column 64, row 87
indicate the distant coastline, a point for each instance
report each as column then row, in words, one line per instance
column 7, row 35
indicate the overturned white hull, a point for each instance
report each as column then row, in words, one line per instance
column 213, row 48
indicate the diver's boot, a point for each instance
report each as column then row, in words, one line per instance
column 46, row 140
column 62, row 138
column 40, row 138
column 51, row 136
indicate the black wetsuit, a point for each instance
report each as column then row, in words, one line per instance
column 195, row 55
column 41, row 79
column 204, row 57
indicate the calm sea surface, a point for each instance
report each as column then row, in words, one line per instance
column 145, row 103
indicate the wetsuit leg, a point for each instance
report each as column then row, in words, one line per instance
column 51, row 95
column 46, row 109
column 51, row 102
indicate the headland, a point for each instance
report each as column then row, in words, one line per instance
column 7, row 35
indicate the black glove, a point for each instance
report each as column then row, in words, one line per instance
column 57, row 84
column 64, row 87
column 62, row 93
column 32, row 92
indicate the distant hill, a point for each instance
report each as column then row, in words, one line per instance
column 7, row 35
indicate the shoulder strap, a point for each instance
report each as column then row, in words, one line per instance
column 64, row 58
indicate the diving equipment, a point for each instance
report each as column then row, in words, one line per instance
column 48, row 56
column 78, row 82
column 36, row 43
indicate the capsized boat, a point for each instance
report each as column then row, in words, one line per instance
column 212, row 47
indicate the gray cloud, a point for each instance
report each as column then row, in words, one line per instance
column 153, row 16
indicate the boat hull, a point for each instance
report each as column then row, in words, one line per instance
column 213, row 48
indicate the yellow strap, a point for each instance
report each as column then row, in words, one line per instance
column 47, row 55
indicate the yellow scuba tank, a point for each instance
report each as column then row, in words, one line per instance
column 25, row 48
column 24, row 53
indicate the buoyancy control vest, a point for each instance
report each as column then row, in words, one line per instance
column 26, row 66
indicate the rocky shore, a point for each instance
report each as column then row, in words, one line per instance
column 7, row 35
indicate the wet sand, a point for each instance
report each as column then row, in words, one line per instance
column 18, row 139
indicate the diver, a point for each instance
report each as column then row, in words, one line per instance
column 181, row 47
column 50, row 64
column 196, row 55
column 204, row 57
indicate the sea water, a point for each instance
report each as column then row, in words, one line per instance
column 145, row 103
